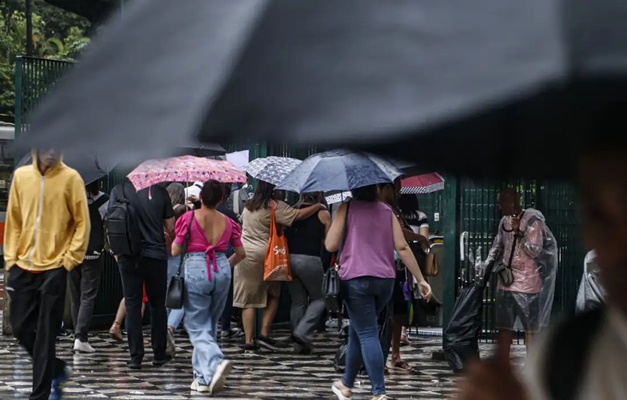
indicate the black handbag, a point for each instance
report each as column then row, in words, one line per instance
column 174, row 295
column 331, row 280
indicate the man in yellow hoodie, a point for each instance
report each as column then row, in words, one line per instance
column 46, row 235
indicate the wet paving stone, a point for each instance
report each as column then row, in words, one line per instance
column 263, row 375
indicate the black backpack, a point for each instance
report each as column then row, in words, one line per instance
column 123, row 226
column 568, row 353
column 97, row 233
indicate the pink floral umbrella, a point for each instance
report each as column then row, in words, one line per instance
column 422, row 184
column 185, row 169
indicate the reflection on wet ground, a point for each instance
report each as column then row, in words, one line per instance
column 264, row 375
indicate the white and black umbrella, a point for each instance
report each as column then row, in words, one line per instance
column 272, row 170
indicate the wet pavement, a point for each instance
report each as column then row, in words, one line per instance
column 263, row 375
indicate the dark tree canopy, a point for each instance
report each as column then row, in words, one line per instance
column 96, row 11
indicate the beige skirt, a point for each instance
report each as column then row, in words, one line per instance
column 249, row 288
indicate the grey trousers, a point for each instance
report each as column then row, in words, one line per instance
column 308, row 303
column 84, row 282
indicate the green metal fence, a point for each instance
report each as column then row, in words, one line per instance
column 466, row 207
column 471, row 221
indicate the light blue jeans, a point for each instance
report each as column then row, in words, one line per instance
column 175, row 317
column 204, row 302
column 365, row 298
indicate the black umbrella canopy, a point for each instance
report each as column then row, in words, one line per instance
column 87, row 166
column 477, row 85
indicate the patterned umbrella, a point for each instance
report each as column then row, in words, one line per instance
column 272, row 170
column 185, row 169
column 422, row 184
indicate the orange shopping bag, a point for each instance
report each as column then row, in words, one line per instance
column 277, row 264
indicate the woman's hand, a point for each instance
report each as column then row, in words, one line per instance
column 192, row 199
column 424, row 243
column 425, row 290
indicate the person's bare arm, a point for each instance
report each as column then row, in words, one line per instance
column 409, row 260
column 307, row 212
column 176, row 250
column 424, row 231
column 334, row 236
column 325, row 218
column 238, row 256
column 169, row 225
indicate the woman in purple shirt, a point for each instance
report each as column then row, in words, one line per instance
column 207, row 282
column 367, row 271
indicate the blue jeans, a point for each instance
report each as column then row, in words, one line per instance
column 175, row 317
column 365, row 298
column 204, row 302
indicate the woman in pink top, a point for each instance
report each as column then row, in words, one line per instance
column 367, row 271
column 207, row 282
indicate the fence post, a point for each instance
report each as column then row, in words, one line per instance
column 451, row 246
column 19, row 69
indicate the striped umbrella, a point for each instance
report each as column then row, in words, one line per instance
column 422, row 184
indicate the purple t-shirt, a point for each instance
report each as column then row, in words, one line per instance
column 369, row 246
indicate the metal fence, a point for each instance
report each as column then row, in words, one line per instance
column 465, row 209
column 476, row 222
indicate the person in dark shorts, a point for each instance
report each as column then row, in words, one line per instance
column 522, row 245
column 521, row 307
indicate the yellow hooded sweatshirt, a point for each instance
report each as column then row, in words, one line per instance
column 47, row 220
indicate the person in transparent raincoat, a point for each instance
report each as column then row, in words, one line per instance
column 525, row 304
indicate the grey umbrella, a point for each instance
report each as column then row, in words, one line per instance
column 459, row 85
column 339, row 170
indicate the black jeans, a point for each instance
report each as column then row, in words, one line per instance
column 134, row 273
column 84, row 282
column 37, row 303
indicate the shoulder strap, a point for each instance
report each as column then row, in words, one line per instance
column 568, row 354
column 344, row 232
column 511, row 254
column 101, row 201
column 185, row 243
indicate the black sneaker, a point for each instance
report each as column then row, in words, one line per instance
column 232, row 333
column 159, row 363
column 250, row 347
column 134, row 364
column 302, row 346
column 272, row 344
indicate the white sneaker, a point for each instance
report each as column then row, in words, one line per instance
column 197, row 387
column 222, row 372
column 83, row 347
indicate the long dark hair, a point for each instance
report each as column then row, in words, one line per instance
column 262, row 197
column 366, row 193
column 408, row 203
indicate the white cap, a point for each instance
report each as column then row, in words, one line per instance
column 194, row 190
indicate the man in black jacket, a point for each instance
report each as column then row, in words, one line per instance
column 84, row 280
column 154, row 212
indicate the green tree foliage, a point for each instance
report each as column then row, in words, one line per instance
column 57, row 34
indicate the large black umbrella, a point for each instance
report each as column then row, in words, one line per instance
column 461, row 86
column 86, row 165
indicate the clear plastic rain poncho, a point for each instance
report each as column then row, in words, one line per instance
column 526, row 304
column 591, row 292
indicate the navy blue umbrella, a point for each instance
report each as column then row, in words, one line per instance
column 339, row 170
